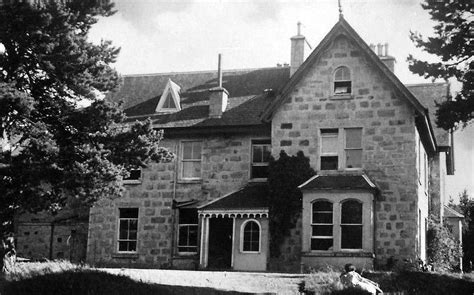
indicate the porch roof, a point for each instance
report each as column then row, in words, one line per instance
column 338, row 182
column 251, row 197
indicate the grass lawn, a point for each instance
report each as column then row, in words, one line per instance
column 62, row 277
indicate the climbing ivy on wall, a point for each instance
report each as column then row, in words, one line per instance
column 286, row 173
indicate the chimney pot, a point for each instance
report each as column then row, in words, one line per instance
column 372, row 46
column 379, row 49
column 386, row 49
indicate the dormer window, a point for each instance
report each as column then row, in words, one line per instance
column 170, row 100
column 342, row 81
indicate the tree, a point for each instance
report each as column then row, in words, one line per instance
column 453, row 44
column 285, row 175
column 54, row 152
column 466, row 208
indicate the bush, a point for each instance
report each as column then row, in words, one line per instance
column 321, row 282
column 444, row 251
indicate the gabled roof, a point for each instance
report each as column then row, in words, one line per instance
column 252, row 196
column 338, row 182
column 342, row 27
column 429, row 94
column 451, row 213
column 140, row 95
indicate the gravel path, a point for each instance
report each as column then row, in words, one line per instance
column 236, row 281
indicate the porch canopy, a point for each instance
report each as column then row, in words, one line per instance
column 249, row 202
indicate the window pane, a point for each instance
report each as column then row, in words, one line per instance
column 320, row 206
column 123, row 233
column 123, row 246
column 183, row 236
column 191, row 169
column 321, row 244
column 329, row 163
column 354, row 138
column 128, row 212
column 132, row 246
column 257, row 154
column 193, row 234
column 342, row 87
column 322, row 230
column 132, row 235
column 169, row 102
column 353, row 158
column 351, row 212
column 196, row 151
column 267, row 153
column 351, row 236
column 251, row 239
column 322, row 217
column 188, row 216
column 329, row 144
column 187, row 150
column 133, row 224
column 259, row 172
column 342, row 74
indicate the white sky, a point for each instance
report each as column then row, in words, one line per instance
column 173, row 36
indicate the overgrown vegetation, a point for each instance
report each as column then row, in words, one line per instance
column 285, row 175
column 466, row 208
column 444, row 251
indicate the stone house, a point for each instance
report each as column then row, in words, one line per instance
column 380, row 164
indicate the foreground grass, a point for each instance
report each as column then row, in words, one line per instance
column 429, row 283
column 67, row 278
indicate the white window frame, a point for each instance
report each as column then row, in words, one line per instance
column 340, row 149
column 261, row 164
column 341, row 224
column 354, row 149
column 182, row 161
column 342, row 80
column 326, row 224
column 179, row 230
column 242, row 236
column 329, row 154
column 118, row 228
column 171, row 89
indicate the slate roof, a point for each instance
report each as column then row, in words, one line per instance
column 428, row 94
column 247, row 100
column 451, row 213
column 338, row 182
column 252, row 196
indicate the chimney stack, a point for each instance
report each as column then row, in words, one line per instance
column 382, row 52
column 297, row 50
column 218, row 95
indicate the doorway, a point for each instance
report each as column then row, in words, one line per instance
column 220, row 243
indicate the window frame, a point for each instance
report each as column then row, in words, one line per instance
column 182, row 161
column 335, row 80
column 353, row 149
column 261, row 164
column 355, row 224
column 119, row 240
column 134, row 180
column 180, row 225
column 327, row 224
column 242, row 236
column 333, row 154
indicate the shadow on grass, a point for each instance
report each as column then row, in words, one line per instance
column 92, row 282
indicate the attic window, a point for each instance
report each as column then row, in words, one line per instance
column 170, row 100
column 342, row 81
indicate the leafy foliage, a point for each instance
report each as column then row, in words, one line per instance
column 452, row 43
column 444, row 251
column 466, row 207
column 52, row 149
column 285, row 175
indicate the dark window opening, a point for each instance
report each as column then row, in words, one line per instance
column 342, row 81
column 135, row 174
column 351, row 225
column 329, row 163
column 188, row 230
column 128, row 230
column 261, row 153
column 322, row 226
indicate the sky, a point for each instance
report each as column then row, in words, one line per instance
column 158, row 36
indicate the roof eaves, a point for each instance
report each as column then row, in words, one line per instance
column 218, row 199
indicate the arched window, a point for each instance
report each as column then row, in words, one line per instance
column 322, row 226
column 342, row 81
column 351, row 225
column 251, row 236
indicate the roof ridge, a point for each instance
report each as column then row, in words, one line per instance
column 426, row 84
column 200, row 72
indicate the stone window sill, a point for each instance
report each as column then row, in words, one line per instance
column 341, row 97
column 132, row 181
column 189, row 181
column 125, row 255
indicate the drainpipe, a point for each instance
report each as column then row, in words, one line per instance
column 173, row 210
column 51, row 240
column 375, row 229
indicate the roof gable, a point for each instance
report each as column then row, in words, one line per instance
column 342, row 27
column 169, row 100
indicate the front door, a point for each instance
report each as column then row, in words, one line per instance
column 220, row 243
